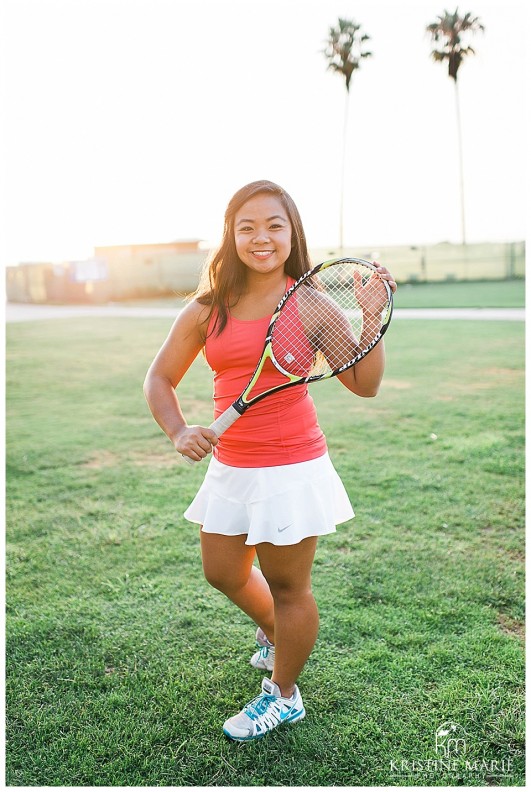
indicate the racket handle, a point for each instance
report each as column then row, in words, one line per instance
column 226, row 419
column 220, row 425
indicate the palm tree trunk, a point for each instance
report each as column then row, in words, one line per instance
column 461, row 177
column 343, row 167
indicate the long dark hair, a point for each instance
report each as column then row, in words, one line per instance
column 223, row 277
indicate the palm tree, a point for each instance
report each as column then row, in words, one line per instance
column 344, row 51
column 448, row 33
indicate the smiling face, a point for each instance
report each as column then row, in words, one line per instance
column 262, row 234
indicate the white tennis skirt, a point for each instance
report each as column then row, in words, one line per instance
column 282, row 504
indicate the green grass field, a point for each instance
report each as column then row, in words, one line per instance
column 122, row 663
column 481, row 294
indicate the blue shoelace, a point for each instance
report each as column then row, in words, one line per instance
column 259, row 705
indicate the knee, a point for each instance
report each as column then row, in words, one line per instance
column 287, row 592
column 226, row 581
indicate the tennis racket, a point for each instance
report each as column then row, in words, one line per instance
column 326, row 322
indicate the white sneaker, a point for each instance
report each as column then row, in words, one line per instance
column 264, row 658
column 264, row 713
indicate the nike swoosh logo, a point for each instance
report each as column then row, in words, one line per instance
column 283, row 529
column 289, row 714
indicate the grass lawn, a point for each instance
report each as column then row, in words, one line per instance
column 463, row 294
column 122, row 663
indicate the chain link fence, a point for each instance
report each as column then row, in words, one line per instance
column 443, row 262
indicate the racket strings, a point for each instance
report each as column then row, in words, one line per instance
column 320, row 330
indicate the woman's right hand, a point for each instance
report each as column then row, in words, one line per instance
column 195, row 442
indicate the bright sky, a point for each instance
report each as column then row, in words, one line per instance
column 130, row 121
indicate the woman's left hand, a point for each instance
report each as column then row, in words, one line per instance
column 371, row 295
column 386, row 275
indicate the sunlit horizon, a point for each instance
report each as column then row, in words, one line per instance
column 122, row 125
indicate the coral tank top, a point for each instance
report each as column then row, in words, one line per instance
column 282, row 429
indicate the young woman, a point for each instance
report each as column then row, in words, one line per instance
column 258, row 498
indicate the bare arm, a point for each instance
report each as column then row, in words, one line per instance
column 183, row 344
column 365, row 377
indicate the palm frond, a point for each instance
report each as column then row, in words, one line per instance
column 448, row 31
column 344, row 48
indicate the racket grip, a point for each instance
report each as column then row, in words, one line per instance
column 226, row 419
column 220, row 425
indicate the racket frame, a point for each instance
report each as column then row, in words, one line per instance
column 241, row 404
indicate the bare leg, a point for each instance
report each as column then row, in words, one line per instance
column 288, row 573
column 228, row 566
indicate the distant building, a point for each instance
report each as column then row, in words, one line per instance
column 115, row 272
column 151, row 270
column 67, row 282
